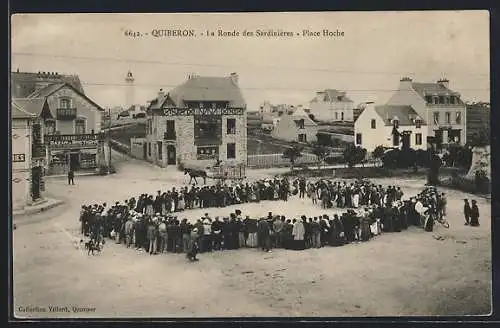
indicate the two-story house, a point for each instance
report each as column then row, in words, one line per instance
column 73, row 137
column 28, row 153
column 332, row 105
column 201, row 121
column 439, row 106
column 390, row 126
column 297, row 126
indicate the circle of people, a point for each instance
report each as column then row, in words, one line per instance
column 152, row 223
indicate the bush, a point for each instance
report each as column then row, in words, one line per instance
column 378, row 152
column 354, row 155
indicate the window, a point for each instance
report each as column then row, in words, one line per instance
column 436, row 118
column 300, row 123
column 452, row 100
column 358, row 139
column 149, row 149
column 50, row 127
column 428, row 99
column 447, row 116
column 436, row 100
column 336, row 116
column 231, row 126
column 395, row 123
column 441, row 99
column 342, row 116
column 65, row 103
column 231, row 150
column 160, row 150
column 418, row 139
column 418, row 123
column 170, row 133
column 374, row 124
column 207, row 152
column 458, row 118
column 302, row 137
column 80, row 126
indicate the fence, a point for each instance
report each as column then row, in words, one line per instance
column 277, row 160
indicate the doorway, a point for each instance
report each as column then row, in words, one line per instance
column 438, row 134
column 36, row 177
column 405, row 140
column 171, row 156
column 145, row 150
column 74, row 161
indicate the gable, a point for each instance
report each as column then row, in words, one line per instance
column 81, row 102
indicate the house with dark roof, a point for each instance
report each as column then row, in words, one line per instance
column 298, row 127
column 390, row 126
column 71, row 120
column 439, row 106
column 28, row 153
column 25, row 83
column 332, row 105
column 201, row 121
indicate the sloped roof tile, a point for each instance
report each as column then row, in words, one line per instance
column 403, row 113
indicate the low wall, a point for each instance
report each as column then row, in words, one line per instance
column 277, row 160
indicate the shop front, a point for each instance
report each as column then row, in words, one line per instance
column 74, row 152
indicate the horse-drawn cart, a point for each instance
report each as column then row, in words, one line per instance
column 219, row 171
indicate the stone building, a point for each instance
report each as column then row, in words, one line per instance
column 27, row 153
column 297, row 126
column 198, row 122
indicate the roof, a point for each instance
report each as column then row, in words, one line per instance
column 51, row 88
column 18, row 111
column 424, row 89
column 34, row 106
column 333, row 95
column 403, row 113
column 25, row 83
column 203, row 88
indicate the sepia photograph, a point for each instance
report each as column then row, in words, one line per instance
column 247, row 165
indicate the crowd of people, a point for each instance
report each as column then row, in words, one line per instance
column 154, row 224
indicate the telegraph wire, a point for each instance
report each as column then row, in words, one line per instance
column 172, row 63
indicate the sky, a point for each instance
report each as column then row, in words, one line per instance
column 375, row 51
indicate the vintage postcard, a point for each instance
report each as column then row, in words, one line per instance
column 319, row 164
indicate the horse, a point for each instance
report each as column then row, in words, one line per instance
column 193, row 174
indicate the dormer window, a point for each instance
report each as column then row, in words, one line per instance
column 428, row 99
column 65, row 103
column 418, row 123
column 436, row 100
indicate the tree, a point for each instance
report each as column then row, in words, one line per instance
column 353, row 155
column 321, row 152
column 292, row 153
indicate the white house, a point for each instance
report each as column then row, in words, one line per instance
column 295, row 127
column 390, row 126
column 439, row 106
column 332, row 105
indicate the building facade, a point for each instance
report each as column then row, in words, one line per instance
column 295, row 127
column 441, row 108
column 27, row 154
column 332, row 106
column 390, row 126
column 199, row 122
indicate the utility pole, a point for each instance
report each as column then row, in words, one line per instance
column 109, row 138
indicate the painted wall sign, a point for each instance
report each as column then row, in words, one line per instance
column 18, row 158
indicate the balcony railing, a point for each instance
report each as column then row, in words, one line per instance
column 169, row 136
column 66, row 114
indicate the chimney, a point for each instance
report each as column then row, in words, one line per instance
column 234, row 78
column 444, row 82
column 161, row 93
column 405, row 83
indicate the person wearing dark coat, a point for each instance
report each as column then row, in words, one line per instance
column 263, row 235
column 467, row 211
column 474, row 214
